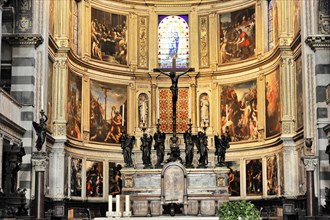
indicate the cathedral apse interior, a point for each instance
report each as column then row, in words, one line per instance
column 87, row 70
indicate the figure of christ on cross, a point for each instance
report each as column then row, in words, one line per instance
column 174, row 73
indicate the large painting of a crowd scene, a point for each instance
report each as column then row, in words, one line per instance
column 109, row 37
column 239, row 110
column 74, row 106
column 107, row 111
column 237, row 35
column 273, row 104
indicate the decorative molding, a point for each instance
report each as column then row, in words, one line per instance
column 25, row 40
column 318, row 42
column 310, row 163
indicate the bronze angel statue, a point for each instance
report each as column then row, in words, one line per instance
column 127, row 143
column 41, row 130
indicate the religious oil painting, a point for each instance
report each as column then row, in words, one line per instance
column 143, row 110
column 107, row 111
column 273, row 104
column 299, row 92
column 94, row 179
column 74, row 106
column 204, row 110
column 297, row 17
column 109, row 37
column 112, row 177
column 272, row 175
column 237, row 35
column 173, row 41
column 165, row 110
column 234, row 178
column 254, row 177
column 76, row 177
column 239, row 110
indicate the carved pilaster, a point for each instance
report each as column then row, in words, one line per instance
column 213, row 41
column 61, row 27
column 60, row 93
column 204, row 41
column 291, row 160
column 143, row 24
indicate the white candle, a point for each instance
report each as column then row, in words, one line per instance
column 123, row 115
column 127, row 203
column 226, row 115
column 110, row 203
column 158, row 109
column 42, row 97
column 117, row 203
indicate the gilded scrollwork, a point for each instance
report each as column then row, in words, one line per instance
column 143, row 42
column 204, row 39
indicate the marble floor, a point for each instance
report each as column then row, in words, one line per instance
column 163, row 218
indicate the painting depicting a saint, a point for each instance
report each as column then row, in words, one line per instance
column 272, row 177
column 234, row 178
column 239, row 110
column 76, row 177
column 107, row 111
column 94, row 179
column 273, row 104
column 74, row 106
column 109, row 37
column 237, row 35
column 254, row 177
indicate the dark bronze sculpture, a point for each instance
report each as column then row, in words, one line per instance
column 189, row 143
column 146, row 142
column 127, row 143
column 202, row 149
column 221, row 145
column 172, row 73
column 159, row 138
column 41, row 130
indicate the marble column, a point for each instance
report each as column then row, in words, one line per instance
column 310, row 163
column 39, row 162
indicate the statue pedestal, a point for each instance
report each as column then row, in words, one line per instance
column 195, row 191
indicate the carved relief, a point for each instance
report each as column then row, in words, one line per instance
column 143, row 42
column 204, row 39
column 324, row 22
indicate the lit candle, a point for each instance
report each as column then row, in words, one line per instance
column 110, row 203
column 123, row 115
column 226, row 115
column 127, row 203
column 117, row 203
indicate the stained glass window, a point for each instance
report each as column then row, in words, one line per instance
column 270, row 25
column 173, row 41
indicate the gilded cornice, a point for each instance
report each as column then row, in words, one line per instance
column 106, row 68
column 318, row 42
column 25, row 40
